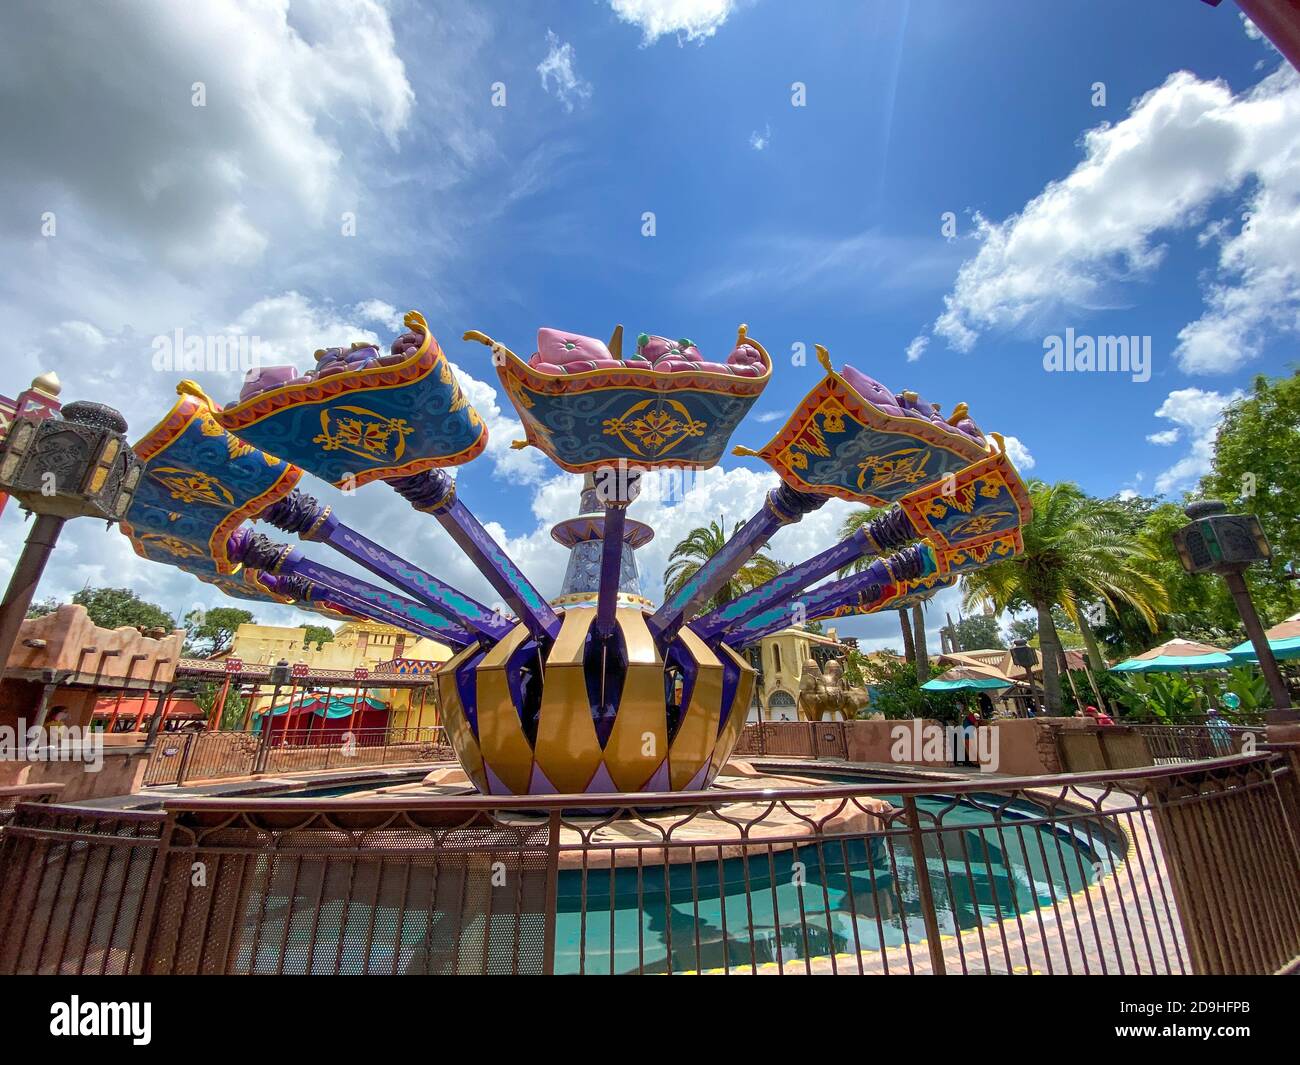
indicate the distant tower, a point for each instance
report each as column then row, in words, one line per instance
column 583, row 536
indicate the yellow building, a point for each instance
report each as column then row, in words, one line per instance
column 356, row 645
column 779, row 659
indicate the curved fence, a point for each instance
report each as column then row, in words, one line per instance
column 185, row 757
column 1172, row 869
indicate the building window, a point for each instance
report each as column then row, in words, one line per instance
column 782, row 707
column 776, row 659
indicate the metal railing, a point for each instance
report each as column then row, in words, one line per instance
column 793, row 739
column 12, row 794
column 1195, row 743
column 186, row 757
column 1171, row 869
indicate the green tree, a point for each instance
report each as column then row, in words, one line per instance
column 1256, row 461
column 1256, row 468
column 1199, row 606
column 117, row 608
column 976, row 632
column 700, row 545
column 1023, row 629
column 211, row 632
column 852, row 524
column 317, row 636
column 205, row 696
column 45, row 606
column 1077, row 550
column 896, row 692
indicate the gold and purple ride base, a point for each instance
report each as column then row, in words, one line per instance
column 588, row 692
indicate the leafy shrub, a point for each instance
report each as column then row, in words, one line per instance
column 896, row 693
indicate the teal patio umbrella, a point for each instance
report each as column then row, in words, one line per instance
column 1176, row 656
column 1283, row 638
column 963, row 678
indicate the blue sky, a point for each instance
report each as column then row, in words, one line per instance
column 818, row 223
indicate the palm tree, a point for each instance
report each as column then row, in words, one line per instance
column 702, row 544
column 852, row 524
column 918, row 635
column 1077, row 549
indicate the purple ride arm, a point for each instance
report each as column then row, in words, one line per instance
column 433, row 492
column 302, row 515
column 310, row 594
column 888, row 531
column 861, row 589
column 611, row 552
column 783, row 506
column 611, row 564
column 258, row 552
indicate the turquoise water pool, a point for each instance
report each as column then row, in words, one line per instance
column 853, row 894
column 846, row 895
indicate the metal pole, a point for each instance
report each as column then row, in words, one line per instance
column 1236, row 583
column 268, row 720
column 218, row 706
column 26, row 576
column 43, row 707
column 933, row 941
column 248, row 710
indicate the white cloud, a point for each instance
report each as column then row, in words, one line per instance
column 378, row 311
column 1182, row 146
column 557, row 68
column 1198, row 412
column 1165, row 437
column 1255, row 34
column 195, row 185
column 689, row 20
column 1127, row 493
column 759, row 141
column 1020, row 456
column 224, row 220
column 291, row 328
column 527, row 465
column 917, row 348
column 771, row 416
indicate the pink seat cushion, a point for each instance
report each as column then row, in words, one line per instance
column 745, row 355
column 262, row 378
column 561, row 349
column 559, row 352
column 870, row 389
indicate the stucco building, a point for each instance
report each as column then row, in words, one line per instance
column 780, row 659
column 356, row 645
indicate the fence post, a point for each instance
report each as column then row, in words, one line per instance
column 553, row 891
column 932, row 941
column 146, row 921
column 191, row 741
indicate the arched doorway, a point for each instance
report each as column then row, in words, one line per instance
column 781, row 706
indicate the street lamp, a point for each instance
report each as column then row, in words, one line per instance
column 1026, row 657
column 1218, row 542
column 75, row 466
column 279, row 675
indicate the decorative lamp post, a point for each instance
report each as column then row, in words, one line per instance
column 1218, row 542
column 1026, row 657
column 279, row 675
column 75, row 466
